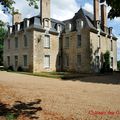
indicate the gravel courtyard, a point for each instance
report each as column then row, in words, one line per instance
column 38, row 98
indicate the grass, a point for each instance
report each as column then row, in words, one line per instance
column 57, row 75
column 10, row 116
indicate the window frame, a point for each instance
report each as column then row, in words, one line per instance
column 25, row 63
column 47, row 45
column 79, row 41
column 16, row 43
column 46, row 65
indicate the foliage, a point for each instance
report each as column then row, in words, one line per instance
column 106, row 64
column 115, row 8
column 118, row 65
column 107, row 61
column 10, row 116
column 2, row 36
column 8, row 4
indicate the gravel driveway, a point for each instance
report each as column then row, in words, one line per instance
column 39, row 98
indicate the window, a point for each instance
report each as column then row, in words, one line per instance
column 25, row 41
column 25, row 59
column 111, row 45
column 59, row 28
column 78, row 60
column 8, row 60
column 16, row 42
column 46, row 23
column 79, row 41
column 47, row 61
column 47, row 41
column 99, row 42
column 67, row 42
column 66, row 60
column 80, row 24
column 111, row 61
column 97, row 61
column 68, row 27
column 16, row 61
column 8, row 43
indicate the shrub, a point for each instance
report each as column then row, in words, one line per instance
column 20, row 69
column 10, row 68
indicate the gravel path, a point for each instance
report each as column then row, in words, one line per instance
column 41, row 98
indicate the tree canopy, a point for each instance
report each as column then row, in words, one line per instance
column 8, row 4
column 115, row 8
column 114, row 4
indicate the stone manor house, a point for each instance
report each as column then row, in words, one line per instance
column 41, row 43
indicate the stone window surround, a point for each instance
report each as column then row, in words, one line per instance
column 46, row 45
column 45, row 60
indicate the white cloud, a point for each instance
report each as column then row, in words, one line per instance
column 3, row 17
column 88, row 7
column 63, row 10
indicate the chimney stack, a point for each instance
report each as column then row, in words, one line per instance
column 96, row 12
column 16, row 17
column 103, row 16
column 44, row 9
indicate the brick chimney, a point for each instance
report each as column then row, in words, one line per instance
column 16, row 17
column 103, row 16
column 96, row 12
column 44, row 9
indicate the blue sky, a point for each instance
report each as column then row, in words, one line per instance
column 63, row 9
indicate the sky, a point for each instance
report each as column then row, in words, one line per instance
column 61, row 10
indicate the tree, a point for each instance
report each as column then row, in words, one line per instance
column 115, row 8
column 2, row 36
column 118, row 65
column 8, row 4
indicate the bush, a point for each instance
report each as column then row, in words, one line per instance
column 20, row 69
column 10, row 68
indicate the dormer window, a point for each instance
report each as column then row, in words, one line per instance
column 46, row 23
column 80, row 24
column 59, row 28
column 68, row 27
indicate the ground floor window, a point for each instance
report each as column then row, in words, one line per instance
column 111, row 61
column 25, row 59
column 66, row 60
column 8, row 60
column 16, row 60
column 79, row 60
column 47, row 61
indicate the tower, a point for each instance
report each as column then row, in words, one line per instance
column 45, row 11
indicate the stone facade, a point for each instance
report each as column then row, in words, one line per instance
column 45, row 44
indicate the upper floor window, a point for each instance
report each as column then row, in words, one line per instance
column 16, row 42
column 8, row 43
column 25, row 41
column 79, row 41
column 67, row 42
column 47, row 41
column 111, row 45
